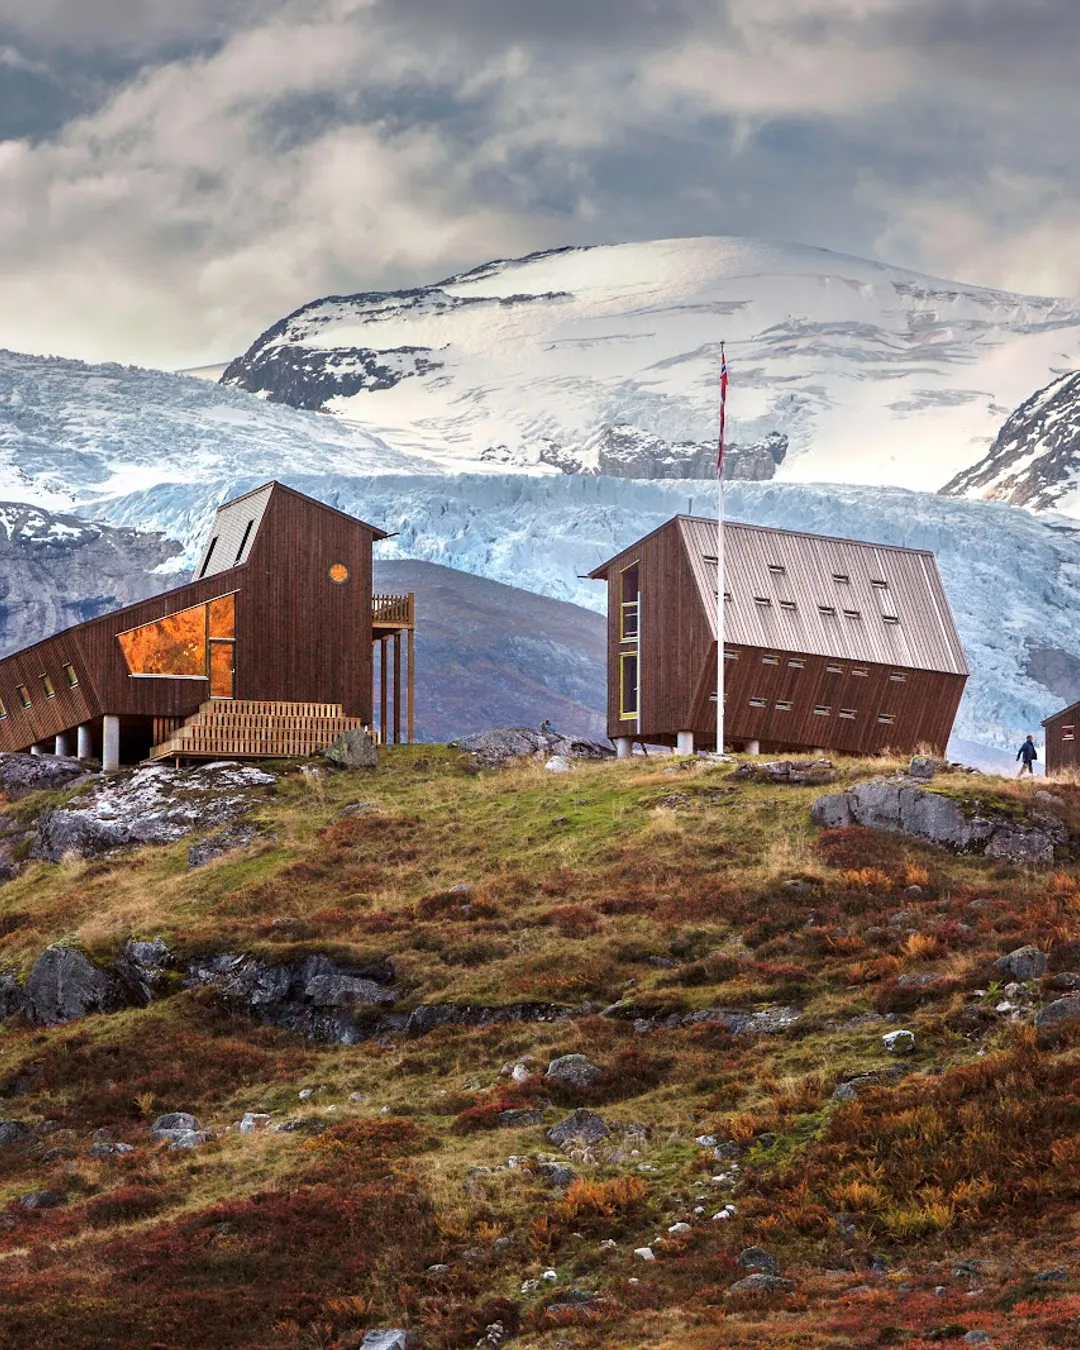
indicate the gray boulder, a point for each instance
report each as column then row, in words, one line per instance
column 581, row 1128
column 757, row 1258
column 12, row 997
column 1025, row 963
column 902, row 807
column 64, row 984
column 41, row 1200
column 354, row 750
column 801, row 773
column 20, row 775
column 13, row 1132
column 386, row 1338
column 493, row 748
column 240, row 835
column 143, row 967
column 1059, row 1013
column 575, row 1071
column 760, row 1284
column 154, row 804
column 173, row 1121
column 556, row 1175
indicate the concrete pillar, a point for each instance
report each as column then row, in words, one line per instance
column 624, row 747
column 85, row 742
column 36, row 750
column 62, row 745
column 110, row 754
column 753, row 747
column 685, row 743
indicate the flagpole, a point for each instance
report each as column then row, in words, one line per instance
column 720, row 558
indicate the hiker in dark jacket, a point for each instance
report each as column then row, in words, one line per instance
column 1029, row 755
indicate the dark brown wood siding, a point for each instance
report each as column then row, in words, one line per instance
column 1062, row 752
column 46, row 717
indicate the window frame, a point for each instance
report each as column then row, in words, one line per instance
column 628, row 608
column 624, row 714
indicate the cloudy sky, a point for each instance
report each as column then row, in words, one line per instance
column 177, row 174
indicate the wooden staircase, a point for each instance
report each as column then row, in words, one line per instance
column 245, row 729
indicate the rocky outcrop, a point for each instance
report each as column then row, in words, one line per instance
column 901, row 806
column 1025, row 963
column 155, row 804
column 736, row 1021
column 65, row 984
column 801, row 773
column 1062, row 1012
column 430, row 1016
column 20, row 775
column 315, row 997
column 492, row 748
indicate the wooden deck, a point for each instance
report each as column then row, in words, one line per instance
column 246, row 729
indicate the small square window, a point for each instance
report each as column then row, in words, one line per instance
column 727, row 595
column 784, row 705
column 24, row 695
column 48, row 687
column 827, row 611
column 848, row 714
column 71, row 677
column 770, row 660
column 759, row 703
column 886, row 719
column 823, row 710
column 788, row 606
column 841, row 578
column 1068, row 733
column 852, row 614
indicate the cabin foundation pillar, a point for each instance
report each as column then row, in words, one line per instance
column 36, row 750
column 84, row 742
column 684, row 743
column 753, row 747
column 62, row 745
column 624, row 747
column 110, row 753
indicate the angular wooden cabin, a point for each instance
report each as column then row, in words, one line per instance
column 270, row 650
column 830, row 644
column 1062, row 750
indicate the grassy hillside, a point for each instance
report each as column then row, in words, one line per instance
column 915, row 1212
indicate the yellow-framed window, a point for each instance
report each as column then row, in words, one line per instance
column 629, row 603
column 629, row 686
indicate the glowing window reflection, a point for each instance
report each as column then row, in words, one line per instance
column 223, row 617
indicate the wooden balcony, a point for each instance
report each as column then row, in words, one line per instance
column 393, row 613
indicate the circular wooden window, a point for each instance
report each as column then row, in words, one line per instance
column 339, row 574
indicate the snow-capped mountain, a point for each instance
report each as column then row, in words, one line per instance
column 1011, row 578
column 70, row 432
column 1035, row 461
column 604, row 360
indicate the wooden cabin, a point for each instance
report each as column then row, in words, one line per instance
column 272, row 650
column 1062, row 751
column 829, row 644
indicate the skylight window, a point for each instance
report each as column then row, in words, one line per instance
column 841, row 578
column 852, row 614
column 777, row 569
column 788, row 606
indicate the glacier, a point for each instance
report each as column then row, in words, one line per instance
column 1012, row 578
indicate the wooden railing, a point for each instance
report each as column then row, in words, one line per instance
column 393, row 611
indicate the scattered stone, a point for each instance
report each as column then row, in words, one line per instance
column 581, row 1128
column 111, row 1150
column 383, row 1338
column 556, row 1175
column 645, row 1253
column 913, row 892
column 41, row 1200
column 761, row 1284
column 174, row 1120
column 1025, row 963
column 354, row 750
column 559, row 764
column 520, row 1119
column 491, row 749
column 64, row 984
column 899, row 1042
column 804, row 773
column 845, row 1092
column 879, row 1265
column 438, row 1269
column 678, row 1228
column 757, row 1258
column 978, row 1338
column 12, row 997
column 14, row 1132
column 252, row 1121
column 574, row 1070
column 1053, row 1275
column 1066, row 982
column 926, row 766
column 1058, row 1013
column 550, row 1276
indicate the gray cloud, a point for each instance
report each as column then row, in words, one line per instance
column 177, row 176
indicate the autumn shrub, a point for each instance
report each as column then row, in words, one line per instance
column 127, row 1204
column 595, row 1208
column 572, row 921
column 463, row 904
column 715, row 968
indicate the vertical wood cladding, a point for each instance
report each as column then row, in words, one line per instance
column 300, row 637
column 1062, row 751
column 841, row 645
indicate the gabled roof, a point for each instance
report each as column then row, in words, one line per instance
column 816, row 595
column 237, row 522
column 1073, row 708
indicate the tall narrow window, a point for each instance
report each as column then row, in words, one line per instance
column 209, row 555
column 629, row 582
column 23, row 694
column 628, row 685
column 47, row 686
column 71, row 677
column 3, row 710
column 243, row 542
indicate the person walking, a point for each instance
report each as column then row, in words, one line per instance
column 1029, row 755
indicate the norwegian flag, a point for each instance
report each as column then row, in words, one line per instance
column 723, row 411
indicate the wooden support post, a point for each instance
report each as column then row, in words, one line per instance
column 411, row 704
column 397, row 687
column 382, row 693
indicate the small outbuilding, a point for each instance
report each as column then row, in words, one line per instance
column 830, row 644
column 1062, row 749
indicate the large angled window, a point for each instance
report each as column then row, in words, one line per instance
column 179, row 645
